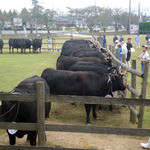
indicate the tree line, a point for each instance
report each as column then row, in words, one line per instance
column 92, row 16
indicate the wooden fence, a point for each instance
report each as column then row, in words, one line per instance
column 56, row 42
column 134, row 73
column 41, row 127
column 41, row 98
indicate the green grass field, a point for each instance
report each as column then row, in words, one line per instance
column 16, row 67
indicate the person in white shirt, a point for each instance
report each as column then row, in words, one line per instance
column 144, row 57
column 124, row 48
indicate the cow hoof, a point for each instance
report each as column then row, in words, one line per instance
column 96, row 118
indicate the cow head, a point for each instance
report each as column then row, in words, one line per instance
column 117, row 82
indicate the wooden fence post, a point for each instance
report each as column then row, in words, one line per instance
column 124, row 61
column 113, row 51
column 40, row 113
column 143, row 93
column 133, row 84
column 110, row 48
column 117, row 56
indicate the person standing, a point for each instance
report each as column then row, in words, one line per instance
column 100, row 39
column 121, row 38
column 137, row 41
column 48, row 43
column 120, row 51
column 104, row 41
column 114, row 39
column 144, row 57
column 129, row 46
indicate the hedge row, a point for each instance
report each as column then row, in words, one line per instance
column 144, row 28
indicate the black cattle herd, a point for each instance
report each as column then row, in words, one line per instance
column 81, row 70
column 22, row 44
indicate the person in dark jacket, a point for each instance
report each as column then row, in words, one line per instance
column 147, row 40
column 129, row 46
column 115, row 38
column 104, row 41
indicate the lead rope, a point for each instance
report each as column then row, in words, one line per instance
column 8, row 111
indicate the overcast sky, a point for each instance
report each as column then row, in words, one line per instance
column 62, row 4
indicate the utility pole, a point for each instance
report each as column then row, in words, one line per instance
column 35, row 14
column 139, row 16
column 129, row 15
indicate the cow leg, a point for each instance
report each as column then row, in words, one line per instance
column 33, row 136
column 94, row 111
column 17, row 50
column 110, row 107
column 9, row 50
column 88, row 110
column 12, row 139
column 100, row 107
column 12, row 50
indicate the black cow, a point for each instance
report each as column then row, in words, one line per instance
column 82, row 83
column 93, row 66
column 25, row 112
column 22, row 43
column 1, row 45
column 96, row 67
column 37, row 44
column 82, row 48
column 65, row 62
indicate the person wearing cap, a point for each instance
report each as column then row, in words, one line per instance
column 144, row 57
column 129, row 46
column 120, row 51
column 114, row 39
column 137, row 41
column 121, row 38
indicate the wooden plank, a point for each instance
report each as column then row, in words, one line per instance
column 76, row 99
column 18, row 126
column 41, row 113
column 3, row 147
column 134, row 111
column 17, row 97
column 117, row 56
column 96, row 100
column 143, row 92
column 133, row 91
column 98, row 130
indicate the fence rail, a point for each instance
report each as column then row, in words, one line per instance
column 56, row 43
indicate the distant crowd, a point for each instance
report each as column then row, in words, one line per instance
column 127, row 48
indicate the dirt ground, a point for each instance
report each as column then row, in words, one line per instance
column 87, row 141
